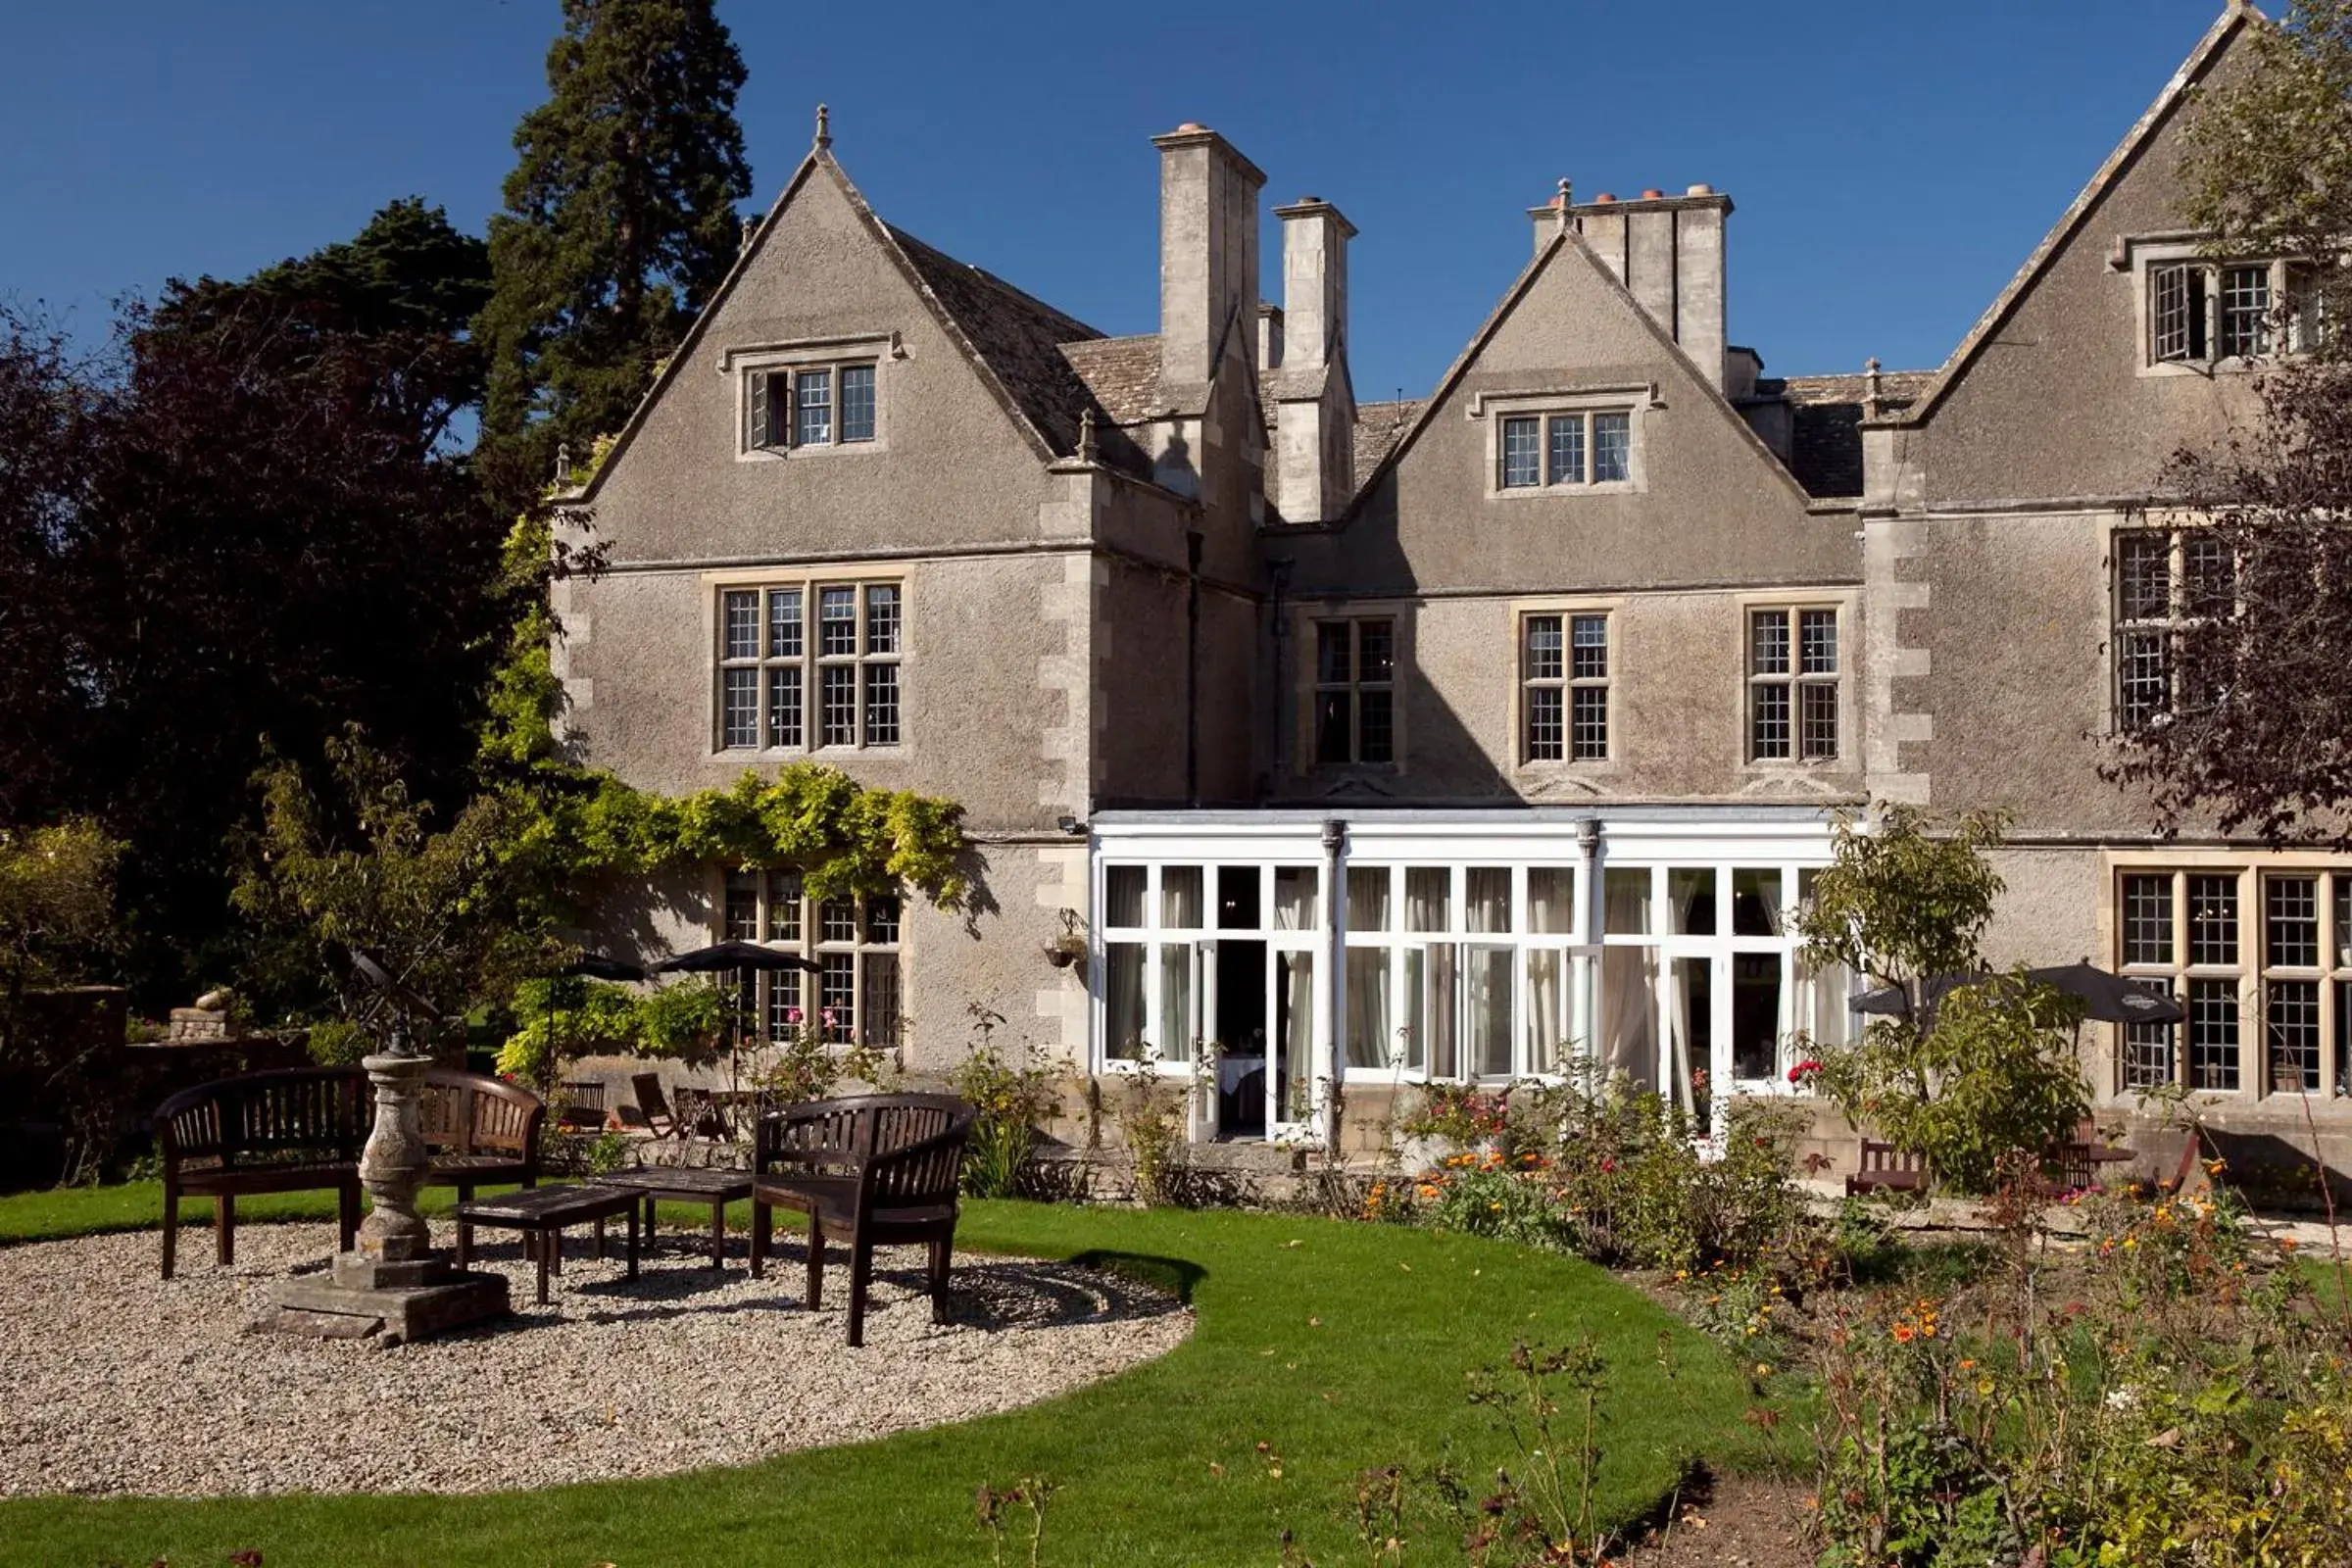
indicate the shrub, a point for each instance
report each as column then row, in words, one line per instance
column 340, row 1043
column 1985, row 1071
column 1616, row 1175
column 1014, row 1098
column 1150, row 1116
column 2161, row 1399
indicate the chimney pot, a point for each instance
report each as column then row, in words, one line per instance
column 1652, row 194
column 1192, row 125
column 1702, row 188
column 1605, row 196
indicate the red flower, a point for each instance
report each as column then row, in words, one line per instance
column 1803, row 1070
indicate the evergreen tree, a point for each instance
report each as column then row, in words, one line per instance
column 620, row 223
column 257, row 526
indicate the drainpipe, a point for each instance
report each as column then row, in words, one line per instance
column 1192, row 668
column 1587, row 848
column 1335, row 981
column 1279, row 566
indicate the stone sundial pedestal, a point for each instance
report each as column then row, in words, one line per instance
column 394, row 1284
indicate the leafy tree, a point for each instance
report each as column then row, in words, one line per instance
column 454, row 914
column 1963, row 1080
column 620, row 223
column 50, row 416
column 57, row 922
column 2257, row 731
column 271, row 534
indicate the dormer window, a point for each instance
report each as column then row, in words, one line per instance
column 2202, row 314
column 808, row 406
column 1579, row 449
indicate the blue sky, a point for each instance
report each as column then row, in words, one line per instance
column 1891, row 162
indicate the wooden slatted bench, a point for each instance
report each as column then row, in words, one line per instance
column 300, row 1130
column 1885, row 1168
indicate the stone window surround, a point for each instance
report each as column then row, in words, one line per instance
column 2250, row 867
column 1355, row 688
column 2139, row 256
column 713, row 586
column 1841, row 601
column 2177, row 526
column 741, row 364
column 1304, row 614
column 1565, row 607
column 1634, row 399
column 805, row 937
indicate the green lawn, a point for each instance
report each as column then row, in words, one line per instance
column 1338, row 1346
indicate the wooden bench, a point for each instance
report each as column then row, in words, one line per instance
column 301, row 1128
column 1885, row 1168
column 872, row 1170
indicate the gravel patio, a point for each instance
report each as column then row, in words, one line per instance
column 122, row 1383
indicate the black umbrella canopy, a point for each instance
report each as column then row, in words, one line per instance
column 722, row 956
column 597, row 966
column 2106, row 998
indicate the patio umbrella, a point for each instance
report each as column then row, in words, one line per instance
column 2107, row 998
column 720, row 957
column 597, row 967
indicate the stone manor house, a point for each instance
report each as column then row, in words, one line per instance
column 1459, row 737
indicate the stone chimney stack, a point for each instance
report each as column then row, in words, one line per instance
column 1314, row 399
column 1269, row 337
column 1207, row 256
column 1315, row 282
column 1668, row 251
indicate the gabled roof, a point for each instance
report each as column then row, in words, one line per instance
column 1011, row 339
column 1122, row 373
column 1015, row 334
column 1560, row 244
column 2237, row 16
column 1824, row 423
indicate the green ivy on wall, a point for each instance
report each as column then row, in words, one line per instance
column 843, row 837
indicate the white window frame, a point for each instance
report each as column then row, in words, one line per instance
column 810, row 662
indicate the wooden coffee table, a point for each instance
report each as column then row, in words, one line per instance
column 540, row 1213
column 716, row 1188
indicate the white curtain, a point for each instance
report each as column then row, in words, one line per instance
column 1417, row 1009
column 1551, row 900
column 1689, row 1032
column 1368, row 898
column 1123, row 999
column 1444, row 1059
column 1294, row 898
column 1757, row 902
column 1179, row 1030
column 1371, row 1035
column 1629, row 1014
column 1548, row 1026
column 1822, row 1009
column 1486, row 896
column 1487, row 989
column 1294, row 1066
column 1123, row 896
column 1625, row 894
column 1180, row 898
column 1691, row 894
column 1428, row 897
